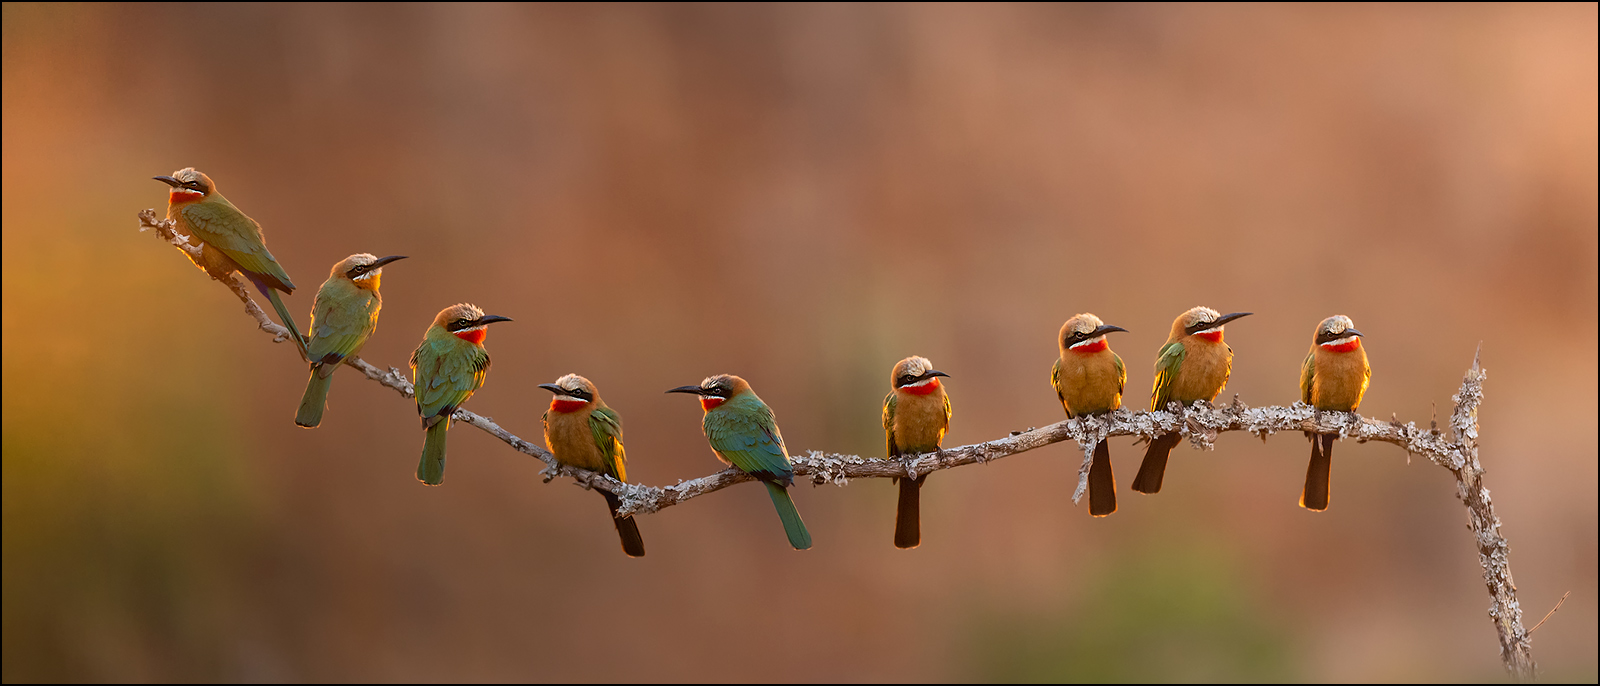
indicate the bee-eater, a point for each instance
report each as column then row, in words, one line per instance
column 230, row 240
column 1193, row 365
column 581, row 431
column 743, row 433
column 343, row 317
column 446, row 369
column 916, row 413
column 1334, row 377
column 1088, row 379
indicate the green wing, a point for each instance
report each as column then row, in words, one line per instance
column 340, row 324
column 747, row 436
column 445, row 374
column 607, row 428
column 1122, row 372
column 1055, row 382
column 1167, row 363
column 1308, row 372
column 889, row 403
column 225, row 228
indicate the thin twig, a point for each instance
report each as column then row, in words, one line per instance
column 1551, row 612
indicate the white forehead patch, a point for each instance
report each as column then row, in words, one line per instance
column 1337, row 324
column 572, row 382
column 1084, row 323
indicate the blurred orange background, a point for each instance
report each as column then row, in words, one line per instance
column 801, row 195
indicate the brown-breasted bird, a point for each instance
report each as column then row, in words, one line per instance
column 582, row 431
column 343, row 317
column 1334, row 377
column 230, row 241
column 1088, row 379
column 916, row 414
column 1193, row 365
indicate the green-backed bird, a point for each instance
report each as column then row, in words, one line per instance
column 1193, row 365
column 581, row 431
column 1088, row 379
column 446, row 369
column 230, row 240
column 916, row 414
column 343, row 317
column 743, row 433
column 1334, row 377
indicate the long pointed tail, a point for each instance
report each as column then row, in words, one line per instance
column 431, row 470
column 315, row 398
column 1102, row 482
column 1154, row 467
column 288, row 321
column 792, row 525
column 627, row 529
column 1315, row 495
column 908, row 513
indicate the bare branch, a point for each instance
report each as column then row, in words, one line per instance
column 1202, row 422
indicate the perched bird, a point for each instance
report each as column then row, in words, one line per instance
column 743, row 433
column 1193, row 365
column 230, row 240
column 446, row 369
column 343, row 317
column 1334, row 377
column 916, row 413
column 1088, row 379
column 581, row 431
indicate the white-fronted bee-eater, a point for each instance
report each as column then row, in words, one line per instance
column 343, row 317
column 1088, row 379
column 743, row 433
column 1334, row 377
column 1193, row 365
column 446, row 369
column 582, row 432
column 916, row 415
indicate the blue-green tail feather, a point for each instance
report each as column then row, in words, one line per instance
column 431, row 470
column 792, row 524
column 315, row 398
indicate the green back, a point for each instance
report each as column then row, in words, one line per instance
column 342, row 318
column 1167, row 363
column 607, row 428
column 445, row 371
column 743, row 431
column 1308, row 371
column 221, row 225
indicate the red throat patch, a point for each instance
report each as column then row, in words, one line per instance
column 1213, row 336
column 710, row 402
column 473, row 335
column 182, row 196
column 1343, row 347
column 559, row 405
column 1094, row 347
column 924, row 389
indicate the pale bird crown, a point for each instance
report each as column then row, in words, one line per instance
column 1081, row 323
column 454, row 312
column 573, row 382
column 188, row 174
column 911, row 366
column 359, row 259
column 1199, row 314
column 1335, row 325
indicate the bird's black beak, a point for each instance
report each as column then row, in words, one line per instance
column 934, row 372
column 553, row 388
column 1351, row 332
column 1224, row 319
column 490, row 319
column 169, row 181
column 385, row 260
column 1105, row 329
column 695, row 389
